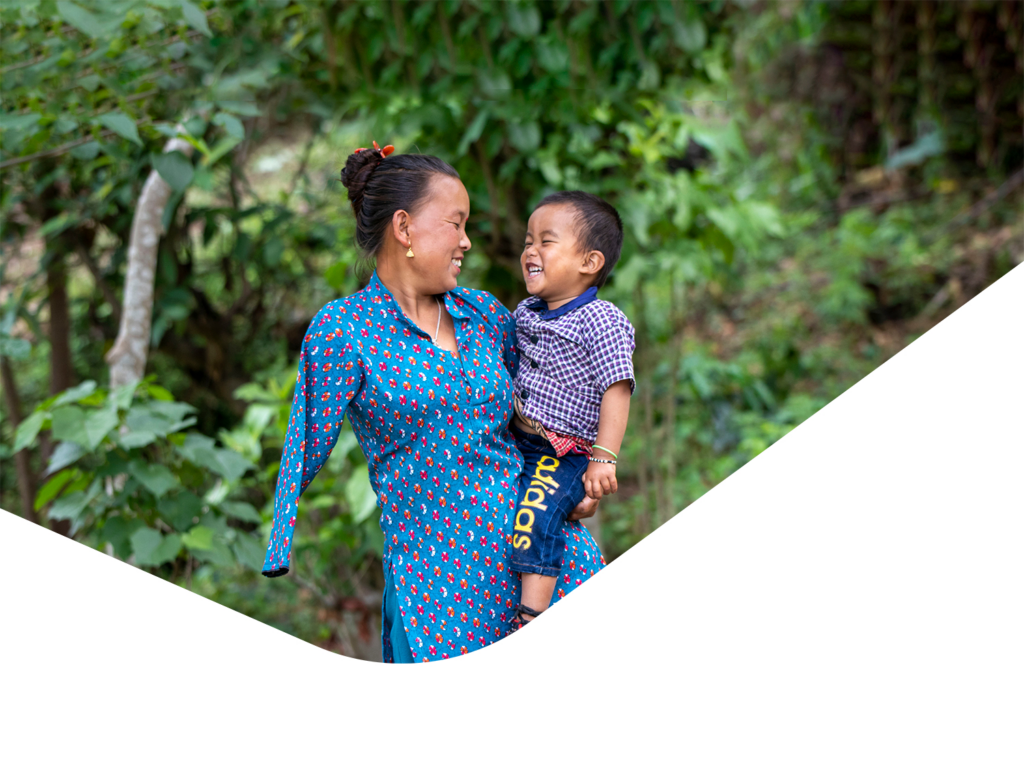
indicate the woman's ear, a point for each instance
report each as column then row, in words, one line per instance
column 593, row 262
column 400, row 228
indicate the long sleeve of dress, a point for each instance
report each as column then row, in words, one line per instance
column 329, row 377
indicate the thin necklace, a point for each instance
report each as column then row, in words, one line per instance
column 437, row 330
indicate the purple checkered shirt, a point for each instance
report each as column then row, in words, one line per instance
column 568, row 361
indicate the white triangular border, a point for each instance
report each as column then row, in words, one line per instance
column 852, row 596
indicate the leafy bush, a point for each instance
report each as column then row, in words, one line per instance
column 128, row 474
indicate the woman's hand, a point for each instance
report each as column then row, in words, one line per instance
column 599, row 480
column 586, row 508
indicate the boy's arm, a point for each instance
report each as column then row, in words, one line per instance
column 599, row 478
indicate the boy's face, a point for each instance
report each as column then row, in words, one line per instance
column 554, row 266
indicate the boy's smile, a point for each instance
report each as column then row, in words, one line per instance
column 553, row 266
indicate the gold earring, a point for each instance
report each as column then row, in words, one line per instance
column 409, row 253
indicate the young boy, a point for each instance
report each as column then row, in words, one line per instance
column 574, row 382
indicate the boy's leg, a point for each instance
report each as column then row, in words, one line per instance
column 537, row 591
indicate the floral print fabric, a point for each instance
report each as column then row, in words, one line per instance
column 444, row 466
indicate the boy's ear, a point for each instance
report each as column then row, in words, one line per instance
column 593, row 262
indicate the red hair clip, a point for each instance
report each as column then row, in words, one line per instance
column 382, row 152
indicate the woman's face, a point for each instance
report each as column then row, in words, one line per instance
column 438, row 233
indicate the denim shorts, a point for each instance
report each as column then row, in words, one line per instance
column 549, row 489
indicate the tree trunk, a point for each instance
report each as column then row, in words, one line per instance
column 127, row 358
column 26, row 482
column 61, row 371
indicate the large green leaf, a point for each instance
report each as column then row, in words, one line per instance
column 241, row 511
column 83, row 20
column 361, row 499
column 145, row 543
column 58, row 224
column 28, row 429
column 220, row 149
column 473, row 132
column 175, row 169
column 52, row 487
column 69, row 424
column 552, row 54
column 249, row 551
column 88, row 151
column 123, row 396
column 198, row 538
column 159, row 417
column 201, row 451
column 9, row 122
column 217, row 553
column 64, row 454
column 122, row 125
column 243, row 108
column 180, row 510
column 75, row 394
column 136, row 439
column 232, row 465
column 98, row 424
column 159, row 393
column 151, row 548
column 168, row 549
column 157, row 478
column 69, row 507
column 118, row 531
column 523, row 19
column 231, row 124
column 87, row 428
column 524, row 136
column 690, row 35
column 14, row 348
column 195, row 17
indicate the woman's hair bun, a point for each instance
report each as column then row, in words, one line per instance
column 377, row 189
column 356, row 173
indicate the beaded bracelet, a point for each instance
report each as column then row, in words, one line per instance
column 603, row 461
column 613, row 453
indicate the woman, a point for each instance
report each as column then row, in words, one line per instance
column 425, row 370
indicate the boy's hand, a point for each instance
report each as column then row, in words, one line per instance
column 586, row 508
column 599, row 480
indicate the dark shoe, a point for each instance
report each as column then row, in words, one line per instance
column 518, row 621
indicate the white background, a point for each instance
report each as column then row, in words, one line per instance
column 853, row 596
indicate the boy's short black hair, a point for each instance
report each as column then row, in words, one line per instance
column 598, row 227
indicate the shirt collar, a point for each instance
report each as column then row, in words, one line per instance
column 455, row 304
column 541, row 307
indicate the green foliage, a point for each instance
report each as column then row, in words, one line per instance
column 127, row 473
column 761, row 279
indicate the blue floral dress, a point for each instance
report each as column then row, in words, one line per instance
column 444, row 466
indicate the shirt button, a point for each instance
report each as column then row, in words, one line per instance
column 533, row 363
column 533, row 339
column 525, row 394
